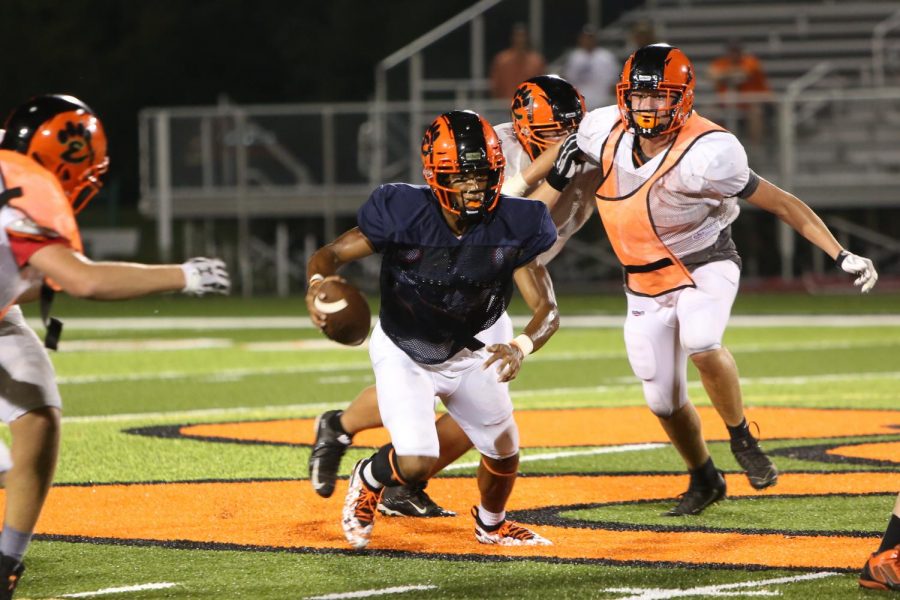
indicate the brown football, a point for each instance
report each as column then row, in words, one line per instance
column 348, row 312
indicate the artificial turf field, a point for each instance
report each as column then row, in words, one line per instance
column 183, row 467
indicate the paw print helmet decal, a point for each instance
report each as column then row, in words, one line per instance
column 65, row 136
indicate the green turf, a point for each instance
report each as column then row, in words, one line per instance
column 784, row 514
column 108, row 391
column 71, row 568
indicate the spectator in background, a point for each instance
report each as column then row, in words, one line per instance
column 593, row 70
column 738, row 72
column 642, row 33
column 514, row 65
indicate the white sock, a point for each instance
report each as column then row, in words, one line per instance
column 490, row 519
column 369, row 478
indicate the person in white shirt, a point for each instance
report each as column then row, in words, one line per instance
column 592, row 69
column 667, row 200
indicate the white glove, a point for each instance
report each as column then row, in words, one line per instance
column 858, row 265
column 566, row 164
column 205, row 276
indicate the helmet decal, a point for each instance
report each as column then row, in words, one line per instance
column 63, row 135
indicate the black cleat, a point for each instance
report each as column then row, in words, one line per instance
column 10, row 574
column 761, row 472
column 325, row 458
column 410, row 501
column 697, row 498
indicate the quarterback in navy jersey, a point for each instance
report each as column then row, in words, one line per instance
column 451, row 251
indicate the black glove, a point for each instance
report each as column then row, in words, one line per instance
column 566, row 164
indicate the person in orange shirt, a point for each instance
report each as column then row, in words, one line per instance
column 514, row 65
column 52, row 160
column 742, row 73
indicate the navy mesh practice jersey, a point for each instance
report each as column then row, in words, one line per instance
column 438, row 291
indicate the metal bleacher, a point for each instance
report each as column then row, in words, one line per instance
column 261, row 174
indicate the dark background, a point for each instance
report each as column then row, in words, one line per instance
column 119, row 56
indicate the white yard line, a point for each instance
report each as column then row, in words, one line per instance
column 572, row 321
column 207, row 413
column 370, row 593
column 121, row 590
column 726, row 589
column 555, row 455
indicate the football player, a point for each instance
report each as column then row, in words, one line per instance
column 667, row 205
column 451, row 251
column 52, row 160
column 882, row 570
column 544, row 110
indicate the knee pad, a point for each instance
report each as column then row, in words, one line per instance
column 699, row 341
column 640, row 355
column 663, row 400
column 498, row 440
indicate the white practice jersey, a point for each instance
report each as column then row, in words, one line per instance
column 696, row 200
column 577, row 198
column 13, row 281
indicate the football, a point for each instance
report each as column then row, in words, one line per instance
column 349, row 315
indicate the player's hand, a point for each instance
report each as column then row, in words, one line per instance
column 508, row 358
column 205, row 276
column 312, row 294
column 858, row 265
column 566, row 164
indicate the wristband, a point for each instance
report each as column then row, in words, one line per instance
column 839, row 259
column 315, row 278
column 556, row 181
column 524, row 343
column 515, row 185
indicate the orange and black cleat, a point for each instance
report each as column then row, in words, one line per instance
column 882, row 571
column 506, row 533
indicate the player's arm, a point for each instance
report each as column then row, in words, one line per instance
column 533, row 281
column 795, row 213
column 325, row 262
column 81, row 277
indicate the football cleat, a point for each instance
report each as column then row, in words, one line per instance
column 882, row 571
column 697, row 498
column 410, row 501
column 10, row 574
column 506, row 533
column 358, row 517
column 326, row 455
column 761, row 472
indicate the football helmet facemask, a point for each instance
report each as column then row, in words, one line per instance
column 544, row 110
column 65, row 136
column 662, row 69
column 462, row 142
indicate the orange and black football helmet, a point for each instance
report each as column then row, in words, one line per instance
column 458, row 142
column 545, row 109
column 65, row 136
column 662, row 68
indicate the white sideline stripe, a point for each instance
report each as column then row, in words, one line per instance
column 714, row 590
column 572, row 321
column 555, row 455
column 369, row 593
column 121, row 590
